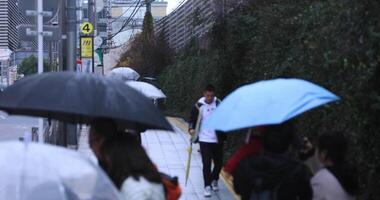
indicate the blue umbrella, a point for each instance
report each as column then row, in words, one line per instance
column 266, row 103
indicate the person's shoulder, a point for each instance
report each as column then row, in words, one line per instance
column 141, row 189
column 140, row 183
column 323, row 175
column 198, row 104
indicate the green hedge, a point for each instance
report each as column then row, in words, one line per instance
column 332, row 43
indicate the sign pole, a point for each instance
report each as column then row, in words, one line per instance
column 87, row 48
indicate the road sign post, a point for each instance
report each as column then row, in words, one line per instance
column 87, row 47
column 87, row 53
column 87, row 28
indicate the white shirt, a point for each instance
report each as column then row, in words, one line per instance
column 207, row 109
column 141, row 189
column 327, row 187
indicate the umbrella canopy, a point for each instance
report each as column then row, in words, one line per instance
column 147, row 89
column 79, row 98
column 43, row 172
column 267, row 102
column 124, row 74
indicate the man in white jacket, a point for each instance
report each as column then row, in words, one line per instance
column 211, row 144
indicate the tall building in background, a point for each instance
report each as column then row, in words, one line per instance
column 9, row 39
column 193, row 19
column 9, row 21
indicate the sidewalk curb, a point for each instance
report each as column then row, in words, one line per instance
column 180, row 123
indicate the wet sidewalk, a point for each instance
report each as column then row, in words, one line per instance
column 168, row 151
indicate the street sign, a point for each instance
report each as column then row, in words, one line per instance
column 86, row 28
column 86, row 47
column 97, row 42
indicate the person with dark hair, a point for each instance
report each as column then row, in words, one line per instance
column 211, row 143
column 100, row 131
column 337, row 179
column 273, row 173
column 125, row 161
column 130, row 169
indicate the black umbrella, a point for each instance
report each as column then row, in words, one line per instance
column 80, row 98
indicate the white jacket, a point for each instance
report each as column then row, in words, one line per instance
column 141, row 189
column 327, row 187
column 205, row 111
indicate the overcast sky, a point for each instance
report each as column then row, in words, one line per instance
column 172, row 4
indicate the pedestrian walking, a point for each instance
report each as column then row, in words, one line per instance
column 211, row 143
column 273, row 173
column 124, row 160
column 130, row 169
column 337, row 179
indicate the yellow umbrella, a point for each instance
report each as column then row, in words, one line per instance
column 190, row 150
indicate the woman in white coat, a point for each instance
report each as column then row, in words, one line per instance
column 337, row 180
column 125, row 161
column 130, row 168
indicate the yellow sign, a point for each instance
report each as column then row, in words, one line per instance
column 86, row 47
column 86, row 28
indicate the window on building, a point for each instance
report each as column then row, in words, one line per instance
column 85, row 13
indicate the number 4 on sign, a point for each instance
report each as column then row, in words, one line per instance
column 86, row 28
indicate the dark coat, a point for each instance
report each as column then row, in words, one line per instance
column 267, row 171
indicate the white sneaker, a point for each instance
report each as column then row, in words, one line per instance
column 207, row 191
column 214, row 185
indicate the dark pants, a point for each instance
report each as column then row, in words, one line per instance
column 211, row 152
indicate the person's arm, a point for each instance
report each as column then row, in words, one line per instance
column 193, row 119
column 246, row 150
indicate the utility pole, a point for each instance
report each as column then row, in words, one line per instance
column 66, row 134
column 92, row 13
column 40, row 60
column 92, row 19
column 62, row 33
column 109, row 42
column 71, row 15
column 70, row 130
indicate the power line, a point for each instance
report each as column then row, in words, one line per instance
column 126, row 22
column 179, row 5
column 174, row 10
column 121, row 14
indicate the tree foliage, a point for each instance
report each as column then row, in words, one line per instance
column 148, row 54
column 29, row 66
column 333, row 43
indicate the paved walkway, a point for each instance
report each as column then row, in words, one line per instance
column 168, row 151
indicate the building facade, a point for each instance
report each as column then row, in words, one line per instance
column 193, row 19
column 9, row 20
